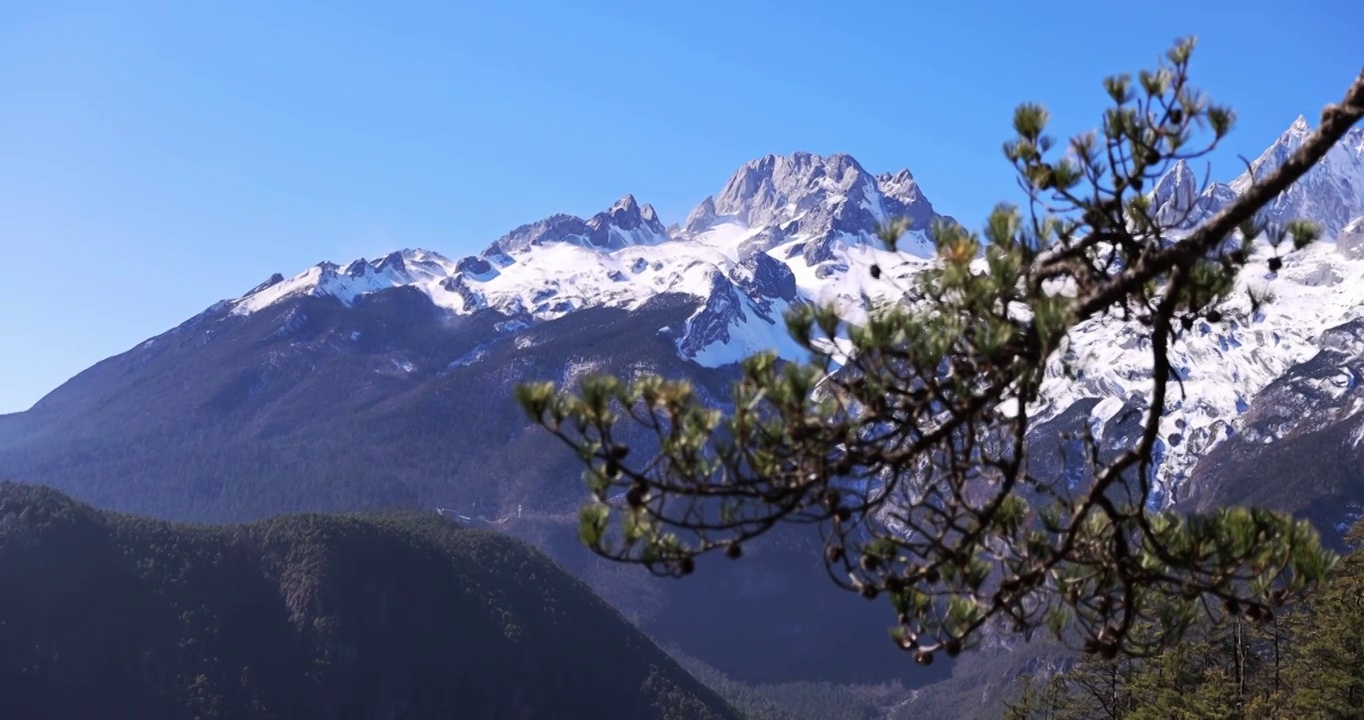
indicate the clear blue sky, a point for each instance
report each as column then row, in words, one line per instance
column 158, row 157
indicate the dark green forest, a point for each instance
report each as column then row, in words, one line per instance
column 393, row 615
column 1307, row 662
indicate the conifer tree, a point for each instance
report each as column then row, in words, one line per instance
column 911, row 454
column 1308, row 664
column 1324, row 677
column 1038, row 699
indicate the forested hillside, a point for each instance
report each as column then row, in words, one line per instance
column 308, row 616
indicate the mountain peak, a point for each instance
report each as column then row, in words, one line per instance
column 801, row 158
column 1174, row 193
column 1332, row 191
column 814, row 202
column 626, row 203
column 1179, row 200
column 761, row 189
column 904, row 188
column 903, row 176
column 627, row 206
column 623, row 224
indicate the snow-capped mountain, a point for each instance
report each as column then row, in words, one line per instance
column 389, row 382
column 783, row 229
column 1224, row 367
column 624, row 291
column 801, row 228
column 1331, row 193
column 1179, row 198
column 624, row 224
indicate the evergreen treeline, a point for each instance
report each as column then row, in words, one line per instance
column 798, row 700
column 1304, row 663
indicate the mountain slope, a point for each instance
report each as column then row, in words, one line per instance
column 394, row 616
column 310, row 405
column 282, row 411
column 1226, row 369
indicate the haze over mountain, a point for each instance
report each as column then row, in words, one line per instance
column 377, row 382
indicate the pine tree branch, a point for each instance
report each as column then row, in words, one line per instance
column 952, row 526
column 1335, row 122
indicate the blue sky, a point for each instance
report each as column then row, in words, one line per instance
column 158, row 157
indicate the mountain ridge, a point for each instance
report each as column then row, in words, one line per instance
column 800, row 228
column 817, row 215
column 1328, row 194
column 778, row 221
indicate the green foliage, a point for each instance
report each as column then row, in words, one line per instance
column 912, row 456
column 1308, row 664
column 1325, row 675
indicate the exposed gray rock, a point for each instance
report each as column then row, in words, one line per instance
column 1350, row 242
